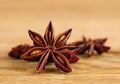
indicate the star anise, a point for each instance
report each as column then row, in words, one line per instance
column 91, row 45
column 19, row 50
column 49, row 47
column 71, row 56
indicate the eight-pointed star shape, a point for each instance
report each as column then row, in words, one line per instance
column 49, row 47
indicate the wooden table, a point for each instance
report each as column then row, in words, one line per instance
column 96, row 19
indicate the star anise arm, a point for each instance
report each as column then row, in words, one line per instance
column 49, row 34
column 66, row 48
column 42, row 62
column 101, row 48
column 71, row 56
column 82, row 48
column 32, row 54
column 100, row 41
column 62, row 38
column 61, row 62
column 37, row 38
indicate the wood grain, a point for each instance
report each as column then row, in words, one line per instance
column 90, row 18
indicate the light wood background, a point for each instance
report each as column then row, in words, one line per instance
column 92, row 18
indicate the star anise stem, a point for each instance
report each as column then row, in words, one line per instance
column 90, row 51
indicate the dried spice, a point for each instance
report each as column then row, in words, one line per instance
column 19, row 50
column 90, row 46
column 71, row 56
column 49, row 47
column 54, row 49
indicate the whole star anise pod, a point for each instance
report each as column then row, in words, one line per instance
column 49, row 47
column 91, row 45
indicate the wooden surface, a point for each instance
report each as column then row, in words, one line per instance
column 91, row 18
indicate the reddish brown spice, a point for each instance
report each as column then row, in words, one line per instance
column 71, row 56
column 19, row 50
column 54, row 49
column 48, row 48
column 91, row 45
